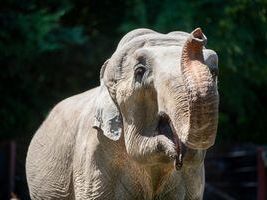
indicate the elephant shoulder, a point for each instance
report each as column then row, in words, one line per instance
column 72, row 108
column 65, row 116
column 51, row 151
column 77, row 101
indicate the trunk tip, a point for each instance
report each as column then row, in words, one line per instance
column 199, row 36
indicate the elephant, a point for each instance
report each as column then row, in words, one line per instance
column 142, row 134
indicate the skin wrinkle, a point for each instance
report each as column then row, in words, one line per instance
column 177, row 97
column 139, row 142
column 137, row 182
column 139, row 145
column 85, row 163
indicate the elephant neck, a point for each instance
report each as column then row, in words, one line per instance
column 143, row 182
column 158, row 176
column 136, row 179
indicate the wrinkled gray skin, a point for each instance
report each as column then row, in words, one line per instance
column 105, row 143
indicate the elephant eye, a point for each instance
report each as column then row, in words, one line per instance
column 139, row 73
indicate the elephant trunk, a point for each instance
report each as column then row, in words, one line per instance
column 201, row 116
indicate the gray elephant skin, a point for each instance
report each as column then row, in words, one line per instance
column 142, row 134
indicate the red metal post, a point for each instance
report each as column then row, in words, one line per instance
column 261, row 176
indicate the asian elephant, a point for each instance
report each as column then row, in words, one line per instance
column 142, row 134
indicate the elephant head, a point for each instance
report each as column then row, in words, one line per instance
column 158, row 91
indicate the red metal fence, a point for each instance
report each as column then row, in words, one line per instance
column 237, row 172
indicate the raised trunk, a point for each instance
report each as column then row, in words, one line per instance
column 201, row 116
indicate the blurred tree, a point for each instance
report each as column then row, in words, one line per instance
column 55, row 49
column 29, row 31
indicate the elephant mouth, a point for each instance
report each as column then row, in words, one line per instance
column 165, row 127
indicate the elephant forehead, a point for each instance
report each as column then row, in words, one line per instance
column 160, row 51
column 162, row 59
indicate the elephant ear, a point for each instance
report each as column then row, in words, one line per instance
column 211, row 59
column 107, row 115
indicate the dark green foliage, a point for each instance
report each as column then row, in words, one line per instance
column 34, row 48
column 55, row 49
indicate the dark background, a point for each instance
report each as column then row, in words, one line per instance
column 50, row 50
